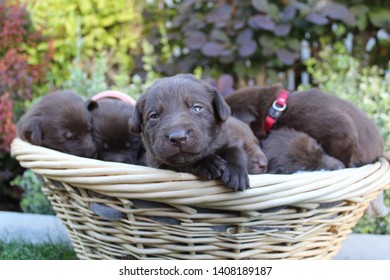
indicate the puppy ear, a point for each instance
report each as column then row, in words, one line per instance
column 92, row 105
column 135, row 122
column 221, row 108
column 32, row 132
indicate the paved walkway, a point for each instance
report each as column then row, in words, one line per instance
column 31, row 227
column 43, row 228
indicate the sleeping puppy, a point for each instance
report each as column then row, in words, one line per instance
column 289, row 151
column 59, row 121
column 243, row 135
column 343, row 131
column 182, row 121
column 110, row 131
column 111, row 111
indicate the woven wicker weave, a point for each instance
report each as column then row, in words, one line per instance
column 170, row 215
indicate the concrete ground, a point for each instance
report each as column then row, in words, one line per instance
column 43, row 228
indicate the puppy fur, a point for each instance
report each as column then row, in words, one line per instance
column 110, row 131
column 182, row 121
column 59, row 121
column 289, row 151
column 343, row 131
column 243, row 135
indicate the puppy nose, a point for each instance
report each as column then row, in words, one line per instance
column 178, row 137
column 263, row 168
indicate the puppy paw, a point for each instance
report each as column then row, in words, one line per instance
column 211, row 167
column 236, row 178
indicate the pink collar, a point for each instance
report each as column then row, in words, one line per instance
column 276, row 110
column 114, row 94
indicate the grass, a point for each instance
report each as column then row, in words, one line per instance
column 23, row 250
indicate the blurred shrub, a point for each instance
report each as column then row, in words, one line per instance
column 244, row 38
column 368, row 87
column 20, row 79
column 111, row 27
column 19, row 75
column 33, row 200
column 7, row 127
column 89, row 78
column 371, row 225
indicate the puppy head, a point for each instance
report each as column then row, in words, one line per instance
column 257, row 161
column 308, row 155
column 59, row 121
column 179, row 119
column 110, row 131
column 289, row 151
column 242, row 135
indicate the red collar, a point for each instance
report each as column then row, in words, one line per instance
column 276, row 110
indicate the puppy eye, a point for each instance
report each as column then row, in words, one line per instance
column 128, row 145
column 197, row 108
column 105, row 146
column 154, row 116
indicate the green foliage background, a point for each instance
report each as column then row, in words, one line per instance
column 107, row 27
column 368, row 87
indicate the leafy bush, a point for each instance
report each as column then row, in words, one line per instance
column 20, row 79
column 90, row 78
column 368, row 87
column 244, row 38
column 111, row 27
column 7, row 127
column 33, row 199
column 371, row 225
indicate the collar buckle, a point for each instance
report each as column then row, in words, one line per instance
column 276, row 110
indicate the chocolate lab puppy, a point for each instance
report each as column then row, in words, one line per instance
column 110, row 131
column 111, row 111
column 59, row 121
column 343, row 131
column 289, row 151
column 182, row 121
column 243, row 135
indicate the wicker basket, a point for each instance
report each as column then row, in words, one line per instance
column 170, row 215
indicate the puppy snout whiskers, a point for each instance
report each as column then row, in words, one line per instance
column 178, row 137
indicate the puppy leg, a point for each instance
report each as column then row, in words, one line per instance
column 235, row 175
column 210, row 167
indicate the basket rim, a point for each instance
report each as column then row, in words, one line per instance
column 129, row 181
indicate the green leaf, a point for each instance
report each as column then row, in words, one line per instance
column 85, row 7
column 294, row 44
column 380, row 18
column 362, row 22
column 108, row 21
column 273, row 11
column 359, row 10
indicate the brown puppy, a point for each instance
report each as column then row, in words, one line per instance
column 182, row 121
column 59, row 121
column 289, row 151
column 243, row 135
column 110, row 131
column 342, row 130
